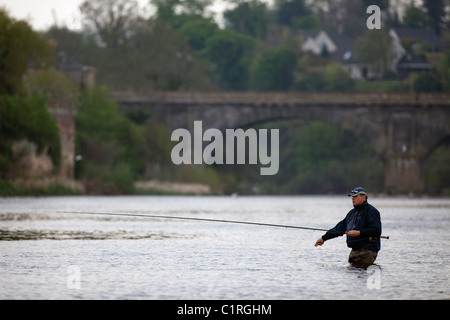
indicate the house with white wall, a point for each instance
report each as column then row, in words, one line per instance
column 337, row 47
column 340, row 48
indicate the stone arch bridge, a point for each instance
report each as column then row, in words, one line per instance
column 403, row 129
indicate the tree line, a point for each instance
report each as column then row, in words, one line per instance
column 181, row 47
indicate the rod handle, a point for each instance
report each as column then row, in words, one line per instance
column 381, row 237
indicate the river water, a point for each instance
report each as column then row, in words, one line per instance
column 46, row 254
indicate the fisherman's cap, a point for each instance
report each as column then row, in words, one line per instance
column 356, row 191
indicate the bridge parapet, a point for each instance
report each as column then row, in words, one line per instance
column 282, row 98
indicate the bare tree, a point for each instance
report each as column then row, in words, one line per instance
column 375, row 49
column 112, row 20
column 342, row 16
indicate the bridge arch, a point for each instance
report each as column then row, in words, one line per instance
column 402, row 128
column 345, row 159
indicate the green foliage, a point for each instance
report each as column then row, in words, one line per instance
column 116, row 152
column 250, row 18
column 333, row 77
column 28, row 118
column 375, row 49
column 110, row 20
column 273, row 70
column 437, row 171
column 70, row 42
column 415, row 45
column 286, row 11
column 383, row 4
column 120, row 180
column 436, row 10
column 231, row 54
column 9, row 189
column 173, row 12
column 337, row 79
column 311, row 22
column 156, row 57
column 444, row 70
column 415, row 18
column 6, row 188
column 111, row 145
column 52, row 85
column 181, row 48
column 198, row 31
column 316, row 158
column 178, row 50
column 309, row 81
column 156, row 139
column 19, row 46
column 426, row 82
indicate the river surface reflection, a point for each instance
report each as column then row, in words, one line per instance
column 47, row 254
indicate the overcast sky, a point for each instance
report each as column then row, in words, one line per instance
column 41, row 14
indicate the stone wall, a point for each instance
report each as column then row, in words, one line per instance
column 64, row 116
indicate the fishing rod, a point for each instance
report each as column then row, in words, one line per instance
column 202, row 219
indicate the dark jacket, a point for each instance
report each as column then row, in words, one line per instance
column 366, row 219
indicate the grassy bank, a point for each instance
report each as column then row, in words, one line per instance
column 39, row 188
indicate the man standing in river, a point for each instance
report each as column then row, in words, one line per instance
column 362, row 225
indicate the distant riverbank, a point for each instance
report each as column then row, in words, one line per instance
column 162, row 187
column 63, row 186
